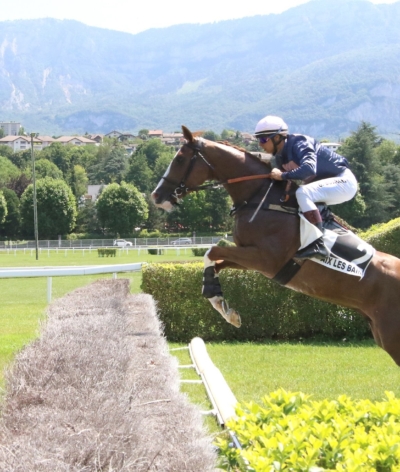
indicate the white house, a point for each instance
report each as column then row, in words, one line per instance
column 21, row 143
column 46, row 140
column 75, row 140
column 93, row 192
column 113, row 134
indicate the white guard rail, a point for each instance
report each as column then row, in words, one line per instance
column 50, row 272
column 221, row 396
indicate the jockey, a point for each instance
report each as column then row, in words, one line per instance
column 325, row 175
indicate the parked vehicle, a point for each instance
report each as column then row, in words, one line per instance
column 122, row 243
column 181, row 241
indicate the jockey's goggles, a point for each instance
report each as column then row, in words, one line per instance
column 265, row 139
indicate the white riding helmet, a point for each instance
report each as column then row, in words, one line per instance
column 271, row 125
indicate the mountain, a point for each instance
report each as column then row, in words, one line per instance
column 324, row 66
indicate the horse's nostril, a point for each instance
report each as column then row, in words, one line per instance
column 154, row 196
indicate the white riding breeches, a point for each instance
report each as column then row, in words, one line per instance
column 334, row 190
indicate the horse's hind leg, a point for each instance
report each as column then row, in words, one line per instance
column 213, row 291
column 388, row 336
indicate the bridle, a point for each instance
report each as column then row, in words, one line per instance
column 181, row 186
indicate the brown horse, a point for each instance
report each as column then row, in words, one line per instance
column 268, row 241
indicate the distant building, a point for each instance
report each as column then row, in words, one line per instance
column 247, row 137
column 96, row 137
column 125, row 137
column 10, row 128
column 21, row 143
column 75, row 140
column 332, row 146
column 93, row 192
column 46, row 140
column 113, row 134
column 172, row 138
column 155, row 133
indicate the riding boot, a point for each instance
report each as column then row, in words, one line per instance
column 317, row 247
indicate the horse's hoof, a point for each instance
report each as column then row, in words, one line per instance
column 234, row 318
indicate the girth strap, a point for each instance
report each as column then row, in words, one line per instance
column 288, row 271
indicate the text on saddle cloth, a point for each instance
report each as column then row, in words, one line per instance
column 349, row 254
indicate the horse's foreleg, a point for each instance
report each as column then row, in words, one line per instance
column 213, row 291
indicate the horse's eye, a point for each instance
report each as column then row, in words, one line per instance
column 179, row 159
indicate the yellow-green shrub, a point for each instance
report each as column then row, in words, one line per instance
column 291, row 432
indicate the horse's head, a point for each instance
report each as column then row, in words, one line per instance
column 187, row 170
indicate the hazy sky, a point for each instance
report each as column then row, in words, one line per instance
column 133, row 16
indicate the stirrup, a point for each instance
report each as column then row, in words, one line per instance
column 316, row 249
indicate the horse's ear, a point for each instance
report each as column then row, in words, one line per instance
column 187, row 134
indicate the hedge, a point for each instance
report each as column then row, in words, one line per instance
column 107, row 252
column 268, row 310
column 155, row 251
column 384, row 237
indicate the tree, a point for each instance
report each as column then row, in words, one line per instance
column 121, row 208
column 153, row 150
column 96, row 167
column 45, row 168
column 143, row 134
column 211, row 136
column 12, row 224
column 115, row 165
column 139, row 173
column 56, row 208
column 3, row 208
column 206, row 211
column 86, row 220
column 22, row 159
column 84, row 156
column 387, row 152
column 6, row 151
column 361, row 151
column 8, row 171
column 78, row 181
column 59, row 155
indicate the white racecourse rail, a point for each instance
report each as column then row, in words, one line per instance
column 50, row 272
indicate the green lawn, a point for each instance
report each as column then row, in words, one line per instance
column 325, row 370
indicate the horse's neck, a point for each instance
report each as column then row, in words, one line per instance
column 230, row 163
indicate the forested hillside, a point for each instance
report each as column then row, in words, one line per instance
column 325, row 66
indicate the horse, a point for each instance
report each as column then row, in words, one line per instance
column 267, row 241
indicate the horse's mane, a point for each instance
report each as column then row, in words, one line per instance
column 253, row 155
column 227, row 143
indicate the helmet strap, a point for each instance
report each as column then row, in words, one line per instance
column 277, row 143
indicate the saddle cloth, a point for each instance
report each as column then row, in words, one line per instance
column 349, row 254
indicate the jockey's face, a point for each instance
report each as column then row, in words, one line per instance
column 272, row 146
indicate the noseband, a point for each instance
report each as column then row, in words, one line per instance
column 181, row 187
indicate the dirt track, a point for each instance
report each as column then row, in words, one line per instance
column 99, row 391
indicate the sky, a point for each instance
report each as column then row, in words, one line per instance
column 134, row 16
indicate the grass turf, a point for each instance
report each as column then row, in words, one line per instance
column 325, row 370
